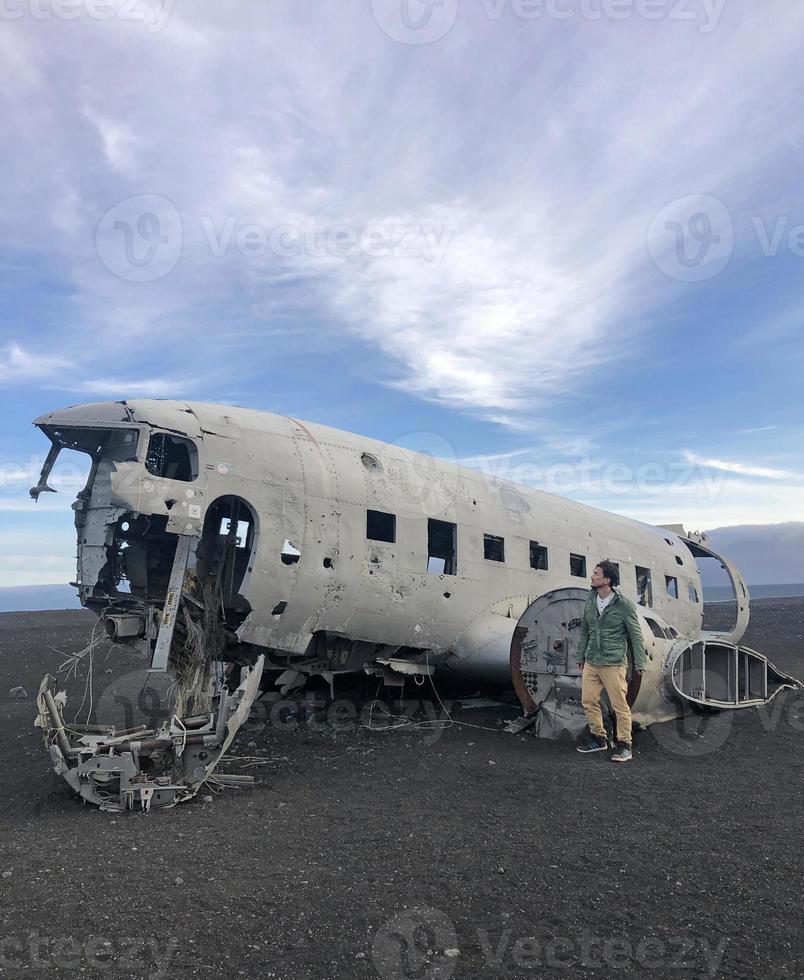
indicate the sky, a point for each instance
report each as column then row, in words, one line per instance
column 558, row 240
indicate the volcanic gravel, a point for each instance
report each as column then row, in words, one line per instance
column 418, row 852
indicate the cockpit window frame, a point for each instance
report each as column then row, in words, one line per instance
column 178, row 437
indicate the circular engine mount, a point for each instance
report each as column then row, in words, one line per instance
column 544, row 649
column 545, row 672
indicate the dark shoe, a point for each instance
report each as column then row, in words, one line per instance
column 592, row 743
column 622, row 753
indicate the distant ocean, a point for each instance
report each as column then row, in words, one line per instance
column 33, row 598
column 723, row 593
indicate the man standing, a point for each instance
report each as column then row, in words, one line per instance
column 609, row 622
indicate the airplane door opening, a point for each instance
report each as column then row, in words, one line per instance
column 225, row 553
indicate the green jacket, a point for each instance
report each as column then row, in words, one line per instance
column 604, row 639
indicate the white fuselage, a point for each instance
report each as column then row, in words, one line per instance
column 310, row 487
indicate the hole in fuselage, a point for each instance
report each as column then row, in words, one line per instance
column 290, row 554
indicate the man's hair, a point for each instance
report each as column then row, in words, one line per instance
column 610, row 571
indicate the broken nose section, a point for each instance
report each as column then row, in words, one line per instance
column 142, row 767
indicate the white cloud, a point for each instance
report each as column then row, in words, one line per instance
column 134, row 387
column 22, row 366
column 544, row 277
column 117, row 139
column 482, row 459
column 744, row 469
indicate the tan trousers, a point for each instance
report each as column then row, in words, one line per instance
column 613, row 679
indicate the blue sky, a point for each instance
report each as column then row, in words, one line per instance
column 559, row 240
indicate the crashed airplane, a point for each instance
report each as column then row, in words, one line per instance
column 222, row 542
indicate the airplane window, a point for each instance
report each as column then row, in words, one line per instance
column 672, row 586
column 655, row 628
column 538, row 556
column 241, row 535
column 380, row 526
column 493, row 547
column 644, row 586
column 693, row 593
column 578, row 566
column 172, row 457
column 441, row 547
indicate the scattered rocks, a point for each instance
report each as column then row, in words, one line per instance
column 178, row 881
column 206, row 799
column 452, row 953
column 18, row 694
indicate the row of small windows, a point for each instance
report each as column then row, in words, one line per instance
column 442, row 548
column 442, row 543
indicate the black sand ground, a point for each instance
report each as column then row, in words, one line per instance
column 358, row 852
